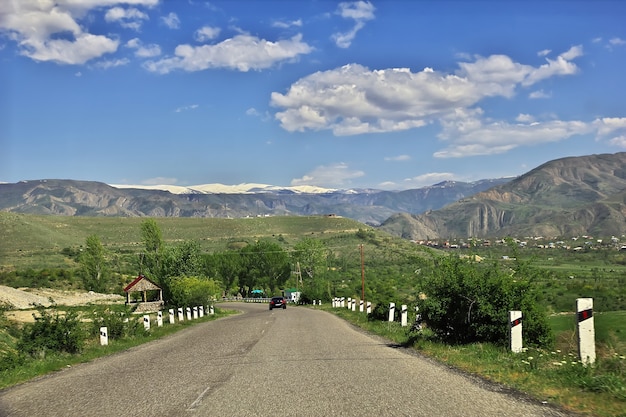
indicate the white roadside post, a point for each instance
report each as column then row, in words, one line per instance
column 349, row 303
column 195, row 313
column 369, row 307
column 172, row 320
column 343, row 302
column 585, row 331
column 104, row 336
column 188, row 313
column 404, row 315
column 146, row 322
column 211, row 310
column 314, row 302
column 180, row 314
column 392, row 311
column 360, row 306
column 515, row 333
column 354, row 304
column 319, row 302
column 201, row 311
column 160, row 319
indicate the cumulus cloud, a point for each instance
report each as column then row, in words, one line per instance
column 539, row 94
column 355, row 100
column 52, row 31
column 206, row 33
column 242, row 52
column 171, row 20
column 111, row 63
column 360, row 12
column 130, row 18
column 334, row 175
column 143, row 51
column 186, row 108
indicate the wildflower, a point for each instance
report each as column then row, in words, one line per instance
column 557, row 363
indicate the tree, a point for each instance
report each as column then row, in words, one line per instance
column 267, row 265
column 153, row 241
column 193, row 291
column 311, row 255
column 94, row 266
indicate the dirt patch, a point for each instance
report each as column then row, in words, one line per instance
column 16, row 299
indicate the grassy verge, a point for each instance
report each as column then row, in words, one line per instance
column 554, row 375
column 34, row 367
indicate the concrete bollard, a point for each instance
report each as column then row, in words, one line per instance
column 369, row 307
column 404, row 315
column 201, row 311
column 172, row 320
column 160, row 319
column 515, row 334
column 354, row 305
column 146, row 322
column 195, row 313
column 211, row 310
column 180, row 314
column 392, row 311
column 319, row 302
column 343, row 301
column 360, row 306
column 188, row 313
column 585, row 331
column 104, row 336
column 313, row 302
column 349, row 303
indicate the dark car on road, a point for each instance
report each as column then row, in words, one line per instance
column 278, row 302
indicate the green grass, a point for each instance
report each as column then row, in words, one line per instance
column 553, row 375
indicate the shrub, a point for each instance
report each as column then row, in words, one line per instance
column 467, row 302
column 119, row 324
column 52, row 333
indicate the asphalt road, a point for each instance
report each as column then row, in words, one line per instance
column 293, row 362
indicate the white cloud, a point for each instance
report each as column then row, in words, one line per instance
column 427, row 179
column 619, row 141
column 206, row 33
column 354, row 99
column 493, row 138
column 398, row 158
column 525, row 118
column 130, row 18
column 186, row 108
column 33, row 24
column 335, row 175
column 617, row 41
column 171, row 20
column 242, row 53
column 360, row 12
column 539, row 94
column 111, row 63
column 545, row 52
column 143, row 51
column 287, row 25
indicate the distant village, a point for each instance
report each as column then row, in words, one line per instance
column 577, row 243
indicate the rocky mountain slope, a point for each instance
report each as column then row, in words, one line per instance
column 564, row 197
column 88, row 198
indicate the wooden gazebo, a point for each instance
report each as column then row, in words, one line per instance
column 143, row 285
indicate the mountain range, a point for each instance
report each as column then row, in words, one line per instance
column 566, row 197
column 89, row 198
column 571, row 196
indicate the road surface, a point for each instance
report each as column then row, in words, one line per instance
column 293, row 362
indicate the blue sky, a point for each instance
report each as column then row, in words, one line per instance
column 380, row 94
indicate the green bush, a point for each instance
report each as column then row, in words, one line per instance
column 52, row 333
column 193, row 291
column 119, row 324
column 468, row 302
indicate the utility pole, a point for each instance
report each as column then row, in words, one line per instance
column 362, row 275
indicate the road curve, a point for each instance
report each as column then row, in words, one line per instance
column 293, row 362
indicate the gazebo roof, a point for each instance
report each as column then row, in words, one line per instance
column 141, row 283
